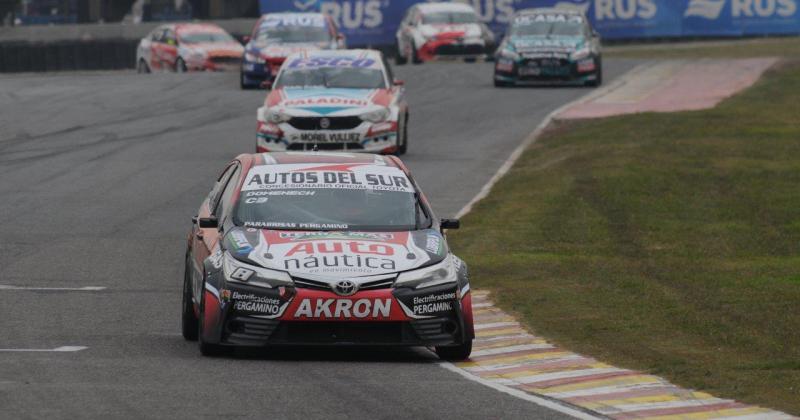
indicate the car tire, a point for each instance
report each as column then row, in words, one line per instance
column 470, row 60
column 455, row 353
column 242, row 83
column 402, row 139
column 189, row 327
column 207, row 349
column 399, row 58
column 598, row 74
column 501, row 83
column 180, row 66
column 142, row 67
column 414, row 56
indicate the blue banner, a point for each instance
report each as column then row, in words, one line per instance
column 374, row 22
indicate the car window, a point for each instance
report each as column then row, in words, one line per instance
column 328, row 197
column 169, row 37
column 216, row 191
column 224, row 204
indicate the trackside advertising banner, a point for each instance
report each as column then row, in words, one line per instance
column 374, row 22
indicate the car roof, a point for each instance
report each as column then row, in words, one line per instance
column 444, row 7
column 549, row 10
column 361, row 53
column 293, row 14
column 197, row 27
column 283, row 158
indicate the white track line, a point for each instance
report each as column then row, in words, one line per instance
column 504, row 168
column 57, row 349
column 543, row 402
column 54, row 289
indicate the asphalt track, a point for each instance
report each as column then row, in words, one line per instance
column 99, row 176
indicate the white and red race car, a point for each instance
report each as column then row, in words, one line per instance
column 432, row 31
column 278, row 35
column 334, row 100
column 183, row 47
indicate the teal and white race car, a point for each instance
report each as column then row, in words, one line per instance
column 549, row 46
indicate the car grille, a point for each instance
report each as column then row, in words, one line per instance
column 334, row 123
column 460, row 49
column 325, row 146
column 331, row 332
column 249, row 330
column 319, row 285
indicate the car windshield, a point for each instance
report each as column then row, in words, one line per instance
column 548, row 25
column 290, row 29
column 361, row 197
column 206, row 37
column 449, row 18
column 333, row 77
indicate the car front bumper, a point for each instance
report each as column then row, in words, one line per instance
column 242, row 315
column 365, row 137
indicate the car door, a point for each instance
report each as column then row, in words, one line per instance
column 169, row 49
column 204, row 240
column 153, row 52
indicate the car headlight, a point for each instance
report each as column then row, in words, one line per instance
column 276, row 116
column 254, row 58
column 580, row 53
column 376, row 116
column 508, row 54
column 237, row 271
column 441, row 273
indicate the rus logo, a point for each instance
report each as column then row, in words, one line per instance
column 712, row 9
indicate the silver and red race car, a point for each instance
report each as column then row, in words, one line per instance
column 323, row 248
column 431, row 31
column 185, row 47
column 334, row 100
column 277, row 35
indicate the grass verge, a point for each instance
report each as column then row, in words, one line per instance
column 765, row 47
column 668, row 243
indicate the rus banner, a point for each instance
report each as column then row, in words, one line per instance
column 374, row 22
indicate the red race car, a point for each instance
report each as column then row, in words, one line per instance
column 323, row 248
column 185, row 47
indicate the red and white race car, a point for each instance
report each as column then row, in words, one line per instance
column 185, row 47
column 432, row 31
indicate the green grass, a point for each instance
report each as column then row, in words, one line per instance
column 766, row 47
column 663, row 242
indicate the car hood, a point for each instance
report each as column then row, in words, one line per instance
column 536, row 45
column 466, row 30
column 272, row 51
column 336, row 254
column 319, row 101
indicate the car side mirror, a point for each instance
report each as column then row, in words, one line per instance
column 398, row 82
column 449, row 224
column 210, row 222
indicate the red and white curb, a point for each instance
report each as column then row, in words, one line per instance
column 508, row 358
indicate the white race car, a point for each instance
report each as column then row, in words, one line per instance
column 334, row 100
column 431, row 31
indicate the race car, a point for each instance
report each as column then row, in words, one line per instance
column 277, row 35
column 334, row 100
column 431, row 31
column 323, row 248
column 549, row 46
column 186, row 47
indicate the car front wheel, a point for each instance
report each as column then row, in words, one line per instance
column 189, row 319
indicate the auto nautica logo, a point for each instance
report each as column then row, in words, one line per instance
column 708, row 9
column 345, row 288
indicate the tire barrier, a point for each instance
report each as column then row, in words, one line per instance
column 108, row 54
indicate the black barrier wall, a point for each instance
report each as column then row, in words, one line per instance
column 111, row 54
